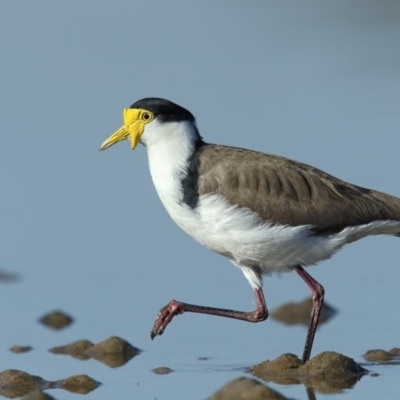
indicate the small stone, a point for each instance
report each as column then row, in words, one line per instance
column 162, row 370
column 56, row 320
column 81, row 384
column 20, row 349
column 378, row 355
column 245, row 389
column 76, row 349
column 113, row 352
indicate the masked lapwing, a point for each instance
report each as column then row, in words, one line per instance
column 267, row 214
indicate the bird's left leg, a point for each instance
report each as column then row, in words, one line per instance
column 175, row 307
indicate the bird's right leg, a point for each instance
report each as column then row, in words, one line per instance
column 175, row 307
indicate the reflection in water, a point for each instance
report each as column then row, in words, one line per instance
column 299, row 313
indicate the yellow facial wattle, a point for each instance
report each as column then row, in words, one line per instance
column 135, row 120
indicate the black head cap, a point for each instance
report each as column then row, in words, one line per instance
column 165, row 110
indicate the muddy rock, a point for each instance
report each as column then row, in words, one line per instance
column 331, row 363
column 378, row 355
column 395, row 351
column 20, row 349
column 15, row 383
column 299, row 313
column 282, row 370
column 56, row 320
column 246, row 389
column 81, row 384
column 113, row 352
column 328, row 372
column 76, row 349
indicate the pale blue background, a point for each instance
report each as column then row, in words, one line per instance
column 315, row 81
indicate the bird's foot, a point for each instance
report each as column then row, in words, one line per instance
column 165, row 316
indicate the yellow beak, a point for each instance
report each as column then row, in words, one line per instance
column 132, row 129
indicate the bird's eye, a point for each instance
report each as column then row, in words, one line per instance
column 146, row 116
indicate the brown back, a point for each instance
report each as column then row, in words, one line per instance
column 289, row 192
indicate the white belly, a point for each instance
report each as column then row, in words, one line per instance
column 245, row 239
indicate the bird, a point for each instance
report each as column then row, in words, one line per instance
column 265, row 213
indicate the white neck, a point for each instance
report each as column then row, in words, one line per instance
column 169, row 145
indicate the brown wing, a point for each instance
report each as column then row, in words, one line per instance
column 289, row 192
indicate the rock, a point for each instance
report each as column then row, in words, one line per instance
column 113, row 351
column 162, row 370
column 81, row 384
column 378, row 355
column 20, row 349
column 15, row 383
column 328, row 372
column 246, row 389
column 56, row 320
column 282, row 370
column 395, row 351
column 76, row 349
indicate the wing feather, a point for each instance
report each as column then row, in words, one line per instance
column 288, row 192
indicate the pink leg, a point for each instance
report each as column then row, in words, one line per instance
column 317, row 292
column 174, row 308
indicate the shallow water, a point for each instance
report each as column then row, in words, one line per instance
column 85, row 231
column 230, row 347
